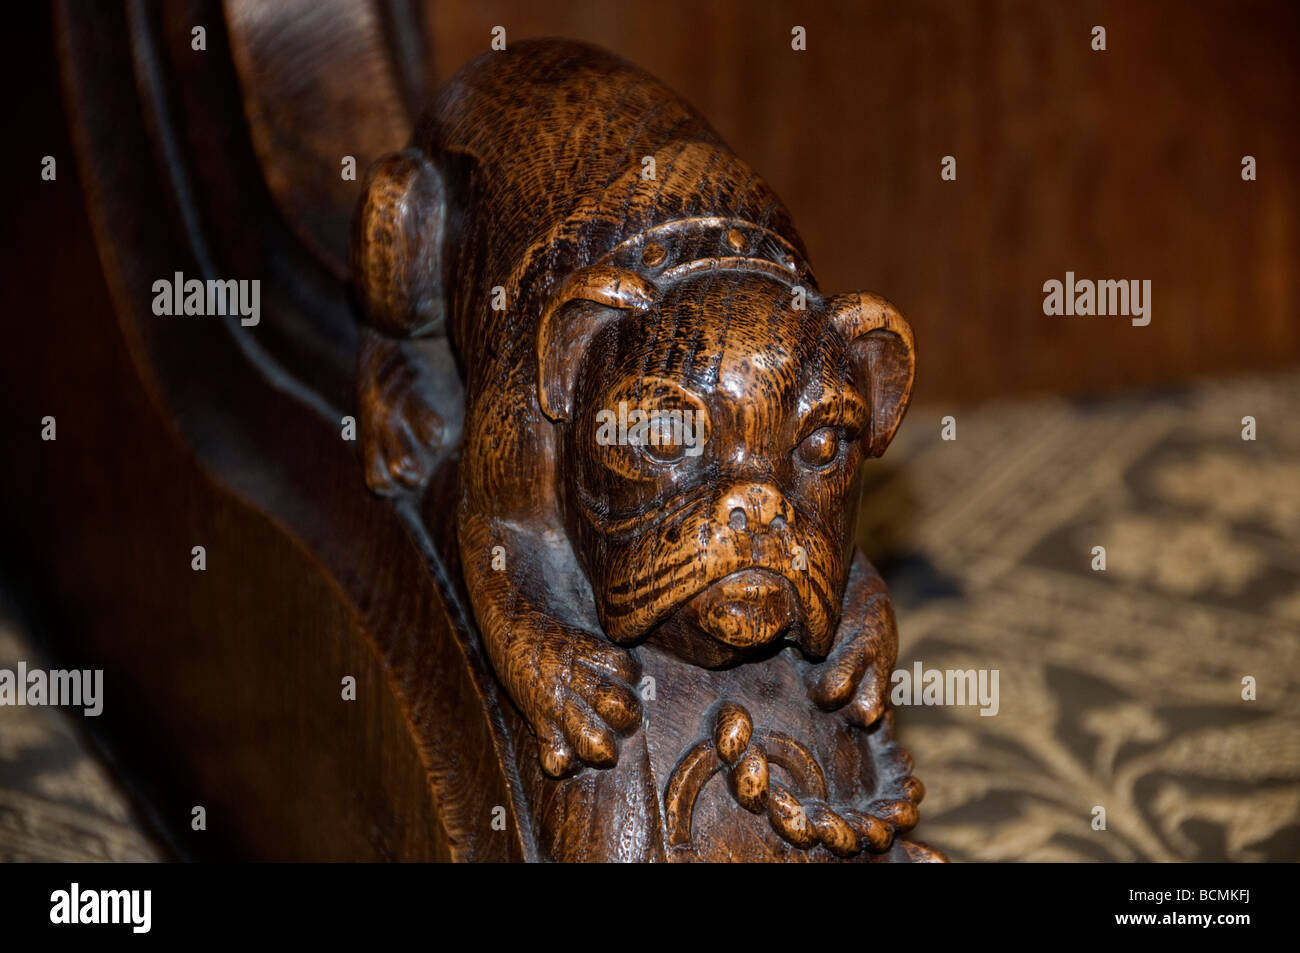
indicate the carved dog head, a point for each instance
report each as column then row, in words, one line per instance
column 727, row 527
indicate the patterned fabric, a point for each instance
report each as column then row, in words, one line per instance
column 1119, row 689
column 1122, row 688
column 57, row 803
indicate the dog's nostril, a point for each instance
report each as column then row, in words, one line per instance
column 778, row 522
column 737, row 520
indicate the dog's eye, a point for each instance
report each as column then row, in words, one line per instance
column 662, row 439
column 819, row 447
column 663, row 452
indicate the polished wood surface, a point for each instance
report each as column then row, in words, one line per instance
column 616, row 688
column 225, row 687
column 1122, row 164
column 340, row 677
column 663, row 606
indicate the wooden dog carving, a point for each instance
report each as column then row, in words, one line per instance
column 663, row 424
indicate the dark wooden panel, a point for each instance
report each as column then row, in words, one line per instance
column 98, row 528
column 222, row 687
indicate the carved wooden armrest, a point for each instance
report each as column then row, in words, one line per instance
column 604, row 595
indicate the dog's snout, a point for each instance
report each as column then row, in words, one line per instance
column 753, row 507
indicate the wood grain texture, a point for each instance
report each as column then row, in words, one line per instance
column 498, row 715
column 294, row 55
column 226, row 684
column 598, row 248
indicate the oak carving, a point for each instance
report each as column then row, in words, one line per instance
column 663, row 425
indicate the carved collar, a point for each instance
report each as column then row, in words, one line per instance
column 684, row 246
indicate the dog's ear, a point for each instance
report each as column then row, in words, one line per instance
column 882, row 355
column 588, row 300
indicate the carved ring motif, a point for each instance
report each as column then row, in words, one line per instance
column 800, row 816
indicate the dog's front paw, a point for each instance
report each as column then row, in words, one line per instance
column 856, row 675
column 400, row 430
column 576, row 690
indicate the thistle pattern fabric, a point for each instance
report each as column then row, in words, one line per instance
column 1120, row 689
column 57, row 801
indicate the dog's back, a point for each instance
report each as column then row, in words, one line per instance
column 567, row 150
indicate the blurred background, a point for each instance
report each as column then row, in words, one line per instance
column 1120, row 688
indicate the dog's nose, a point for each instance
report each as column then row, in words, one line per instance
column 753, row 507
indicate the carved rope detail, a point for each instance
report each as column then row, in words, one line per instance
column 800, row 817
